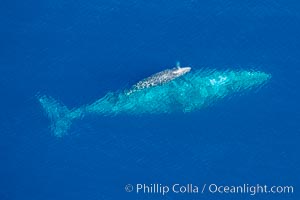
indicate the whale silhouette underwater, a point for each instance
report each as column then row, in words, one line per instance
column 186, row 92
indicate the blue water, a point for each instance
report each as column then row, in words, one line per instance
column 77, row 51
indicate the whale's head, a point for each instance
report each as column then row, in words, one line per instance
column 179, row 71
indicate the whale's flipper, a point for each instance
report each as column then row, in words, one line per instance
column 61, row 117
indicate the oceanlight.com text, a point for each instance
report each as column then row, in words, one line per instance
column 176, row 188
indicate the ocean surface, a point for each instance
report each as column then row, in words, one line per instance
column 78, row 51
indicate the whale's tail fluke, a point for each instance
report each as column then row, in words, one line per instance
column 61, row 117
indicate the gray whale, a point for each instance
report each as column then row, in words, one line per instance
column 193, row 91
column 160, row 78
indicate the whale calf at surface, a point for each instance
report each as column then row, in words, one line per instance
column 187, row 93
column 160, row 78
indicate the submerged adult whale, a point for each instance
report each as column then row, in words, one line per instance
column 187, row 93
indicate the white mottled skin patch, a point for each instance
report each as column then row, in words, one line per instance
column 160, row 78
